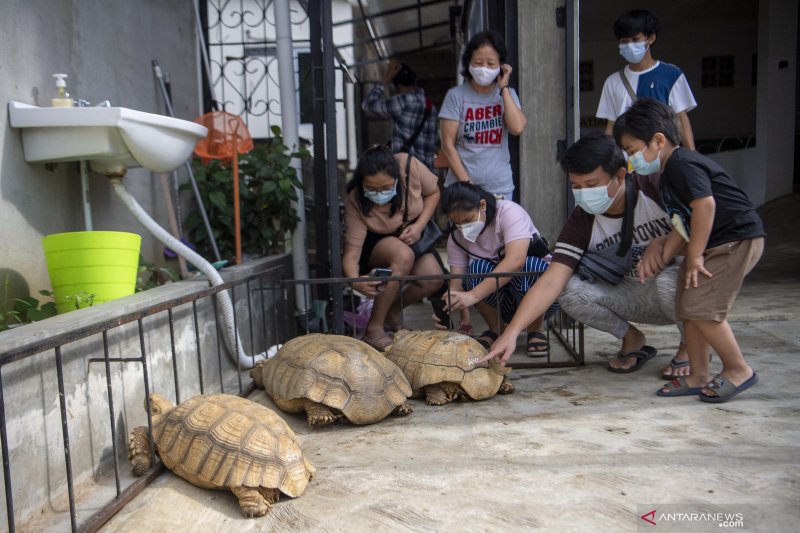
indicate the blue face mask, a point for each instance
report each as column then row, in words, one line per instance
column 633, row 52
column 644, row 167
column 594, row 200
column 381, row 197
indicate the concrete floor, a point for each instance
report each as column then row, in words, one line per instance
column 577, row 449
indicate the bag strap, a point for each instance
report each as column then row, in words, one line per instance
column 408, row 186
column 627, row 85
column 411, row 140
column 627, row 219
column 476, row 256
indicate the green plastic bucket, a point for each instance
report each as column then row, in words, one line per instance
column 99, row 263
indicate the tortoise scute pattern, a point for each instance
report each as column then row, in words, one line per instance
column 433, row 357
column 339, row 372
column 218, row 441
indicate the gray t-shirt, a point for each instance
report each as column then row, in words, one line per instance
column 482, row 137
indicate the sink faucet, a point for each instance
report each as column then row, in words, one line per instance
column 86, row 103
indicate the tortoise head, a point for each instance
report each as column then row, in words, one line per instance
column 158, row 405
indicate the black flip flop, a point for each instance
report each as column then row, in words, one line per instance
column 642, row 355
column 488, row 333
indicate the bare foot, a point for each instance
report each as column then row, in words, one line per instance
column 678, row 366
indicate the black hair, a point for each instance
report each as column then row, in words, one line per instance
column 377, row 159
column 405, row 76
column 463, row 196
column 634, row 22
column 490, row 37
column 644, row 119
column 592, row 151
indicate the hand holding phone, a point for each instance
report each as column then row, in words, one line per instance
column 438, row 309
column 381, row 273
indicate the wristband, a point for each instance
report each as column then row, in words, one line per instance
column 503, row 87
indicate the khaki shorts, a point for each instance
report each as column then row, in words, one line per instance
column 713, row 297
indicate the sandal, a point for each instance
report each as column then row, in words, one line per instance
column 466, row 329
column 380, row 343
column 725, row 389
column 491, row 335
column 538, row 346
column 642, row 355
column 676, row 363
column 678, row 387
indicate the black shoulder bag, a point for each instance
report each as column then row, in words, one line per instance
column 612, row 263
column 431, row 234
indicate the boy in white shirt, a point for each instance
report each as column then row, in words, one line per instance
column 646, row 78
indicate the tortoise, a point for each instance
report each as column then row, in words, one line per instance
column 220, row 441
column 442, row 365
column 332, row 377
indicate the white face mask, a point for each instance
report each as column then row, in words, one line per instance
column 471, row 230
column 484, row 76
column 642, row 166
column 594, row 200
column 633, row 52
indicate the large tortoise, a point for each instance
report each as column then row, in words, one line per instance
column 333, row 376
column 442, row 365
column 220, row 441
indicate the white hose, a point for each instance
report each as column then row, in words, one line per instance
column 233, row 340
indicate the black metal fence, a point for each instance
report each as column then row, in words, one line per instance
column 190, row 362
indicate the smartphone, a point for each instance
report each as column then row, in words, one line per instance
column 381, row 273
column 441, row 314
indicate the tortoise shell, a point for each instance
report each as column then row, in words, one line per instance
column 223, row 441
column 340, row 372
column 432, row 357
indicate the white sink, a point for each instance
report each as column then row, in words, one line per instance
column 110, row 138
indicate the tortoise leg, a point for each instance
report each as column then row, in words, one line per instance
column 403, row 410
column 441, row 393
column 318, row 414
column 255, row 501
column 139, row 451
column 506, row 387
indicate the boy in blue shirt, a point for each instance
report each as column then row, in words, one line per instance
column 718, row 231
column 646, row 78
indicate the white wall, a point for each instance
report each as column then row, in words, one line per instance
column 105, row 46
column 777, row 45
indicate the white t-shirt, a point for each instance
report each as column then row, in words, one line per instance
column 585, row 232
column 663, row 82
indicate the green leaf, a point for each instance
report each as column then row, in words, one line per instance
column 217, row 198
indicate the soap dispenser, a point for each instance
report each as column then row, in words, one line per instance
column 61, row 96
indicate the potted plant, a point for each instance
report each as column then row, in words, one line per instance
column 267, row 185
column 91, row 267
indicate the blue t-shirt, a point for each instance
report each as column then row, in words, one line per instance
column 663, row 82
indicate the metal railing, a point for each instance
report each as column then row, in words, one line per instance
column 193, row 363
column 211, row 372
column 568, row 331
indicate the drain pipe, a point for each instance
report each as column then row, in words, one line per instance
column 283, row 34
column 232, row 338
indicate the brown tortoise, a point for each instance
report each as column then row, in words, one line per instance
column 442, row 364
column 219, row 441
column 332, row 376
